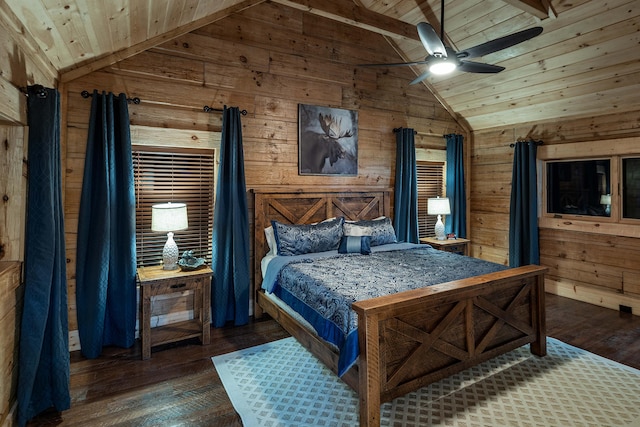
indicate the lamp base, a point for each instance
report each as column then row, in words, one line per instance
column 170, row 254
column 439, row 229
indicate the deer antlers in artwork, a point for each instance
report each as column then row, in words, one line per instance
column 332, row 127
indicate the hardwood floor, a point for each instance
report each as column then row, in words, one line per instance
column 179, row 385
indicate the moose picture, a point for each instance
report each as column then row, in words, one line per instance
column 328, row 141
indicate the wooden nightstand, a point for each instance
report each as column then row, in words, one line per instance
column 155, row 281
column 458, row 246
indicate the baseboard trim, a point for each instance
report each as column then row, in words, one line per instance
column 591, row 295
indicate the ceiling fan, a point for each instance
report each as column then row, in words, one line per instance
column 443, row 59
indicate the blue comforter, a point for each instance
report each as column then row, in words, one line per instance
column 322, row 286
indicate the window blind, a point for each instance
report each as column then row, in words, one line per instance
column 162, row 177
column 430, row 179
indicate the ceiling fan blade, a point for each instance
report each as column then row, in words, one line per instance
column 420, row 78
column 430, row 40
column 500, row 43
column 478, row 67
column 397, row 64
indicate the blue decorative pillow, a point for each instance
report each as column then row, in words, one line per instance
column 299, row 239
column 380, row 229
column 355, row 244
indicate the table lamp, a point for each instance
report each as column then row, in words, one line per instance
column 169, row 217
column 438, row 206
column 605, row 200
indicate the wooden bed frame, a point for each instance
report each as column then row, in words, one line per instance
column 412, row 338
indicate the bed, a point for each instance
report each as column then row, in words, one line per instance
column 412, row 338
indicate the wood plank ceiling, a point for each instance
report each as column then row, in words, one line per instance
column 585, row 63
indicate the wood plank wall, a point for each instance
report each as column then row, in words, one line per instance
column 266, row 60
column 598, row 268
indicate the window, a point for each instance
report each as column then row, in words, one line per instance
column 162, row 177
column 604, row 187
column 580, row 187
column 631, row 188
column 430, row 178
column 607, row 178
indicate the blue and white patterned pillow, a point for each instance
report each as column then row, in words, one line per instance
column 355, row 244
column 380, row 229
column 297, row 239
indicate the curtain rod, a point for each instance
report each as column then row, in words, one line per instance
column 86, row 94
column 40, row 91
column 415, row 132
column 396, row 130
column 528, row 140
column 208, row 109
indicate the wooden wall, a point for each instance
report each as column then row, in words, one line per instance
column 602, row 268
column 266, row 60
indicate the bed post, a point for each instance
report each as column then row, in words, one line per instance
column 369, row 369
column 259, row 242
column 539, row 347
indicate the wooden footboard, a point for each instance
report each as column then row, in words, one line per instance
column 414, row 338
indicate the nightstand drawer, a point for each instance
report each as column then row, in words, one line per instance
column 458, row 246
column 168, row 287
column 460, row 249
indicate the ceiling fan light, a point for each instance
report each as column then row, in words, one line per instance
column 442, row 67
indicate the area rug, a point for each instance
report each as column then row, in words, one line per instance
column 280, row 384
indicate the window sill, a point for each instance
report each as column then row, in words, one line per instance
column 598, row 227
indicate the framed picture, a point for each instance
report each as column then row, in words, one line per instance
column 327, row 141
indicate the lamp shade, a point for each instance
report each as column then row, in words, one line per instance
column 438, row 206
column 605, row 199
column 169, row 217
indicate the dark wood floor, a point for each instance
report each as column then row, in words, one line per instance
column 179, row 385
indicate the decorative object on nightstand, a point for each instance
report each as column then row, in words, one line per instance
column 605, row 200
column 169, row 217
column 438, row 206
column 188, row 262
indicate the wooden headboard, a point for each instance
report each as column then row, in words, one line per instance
column 308, row 205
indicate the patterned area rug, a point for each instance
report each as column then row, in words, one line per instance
column 281, row 384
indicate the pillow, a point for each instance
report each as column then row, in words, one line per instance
column 271, row 238
column 271, row 241
column 355, row 244
column 303, row 239
column 380, row 229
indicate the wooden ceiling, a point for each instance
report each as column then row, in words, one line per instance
column 585, row 63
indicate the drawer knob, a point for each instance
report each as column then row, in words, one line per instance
column 182, row 285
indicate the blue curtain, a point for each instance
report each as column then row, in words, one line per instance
column 230, row 241
column 457, row 221
column 405, row 221
column 106, row 241
column 523, row 216
column 43, row 377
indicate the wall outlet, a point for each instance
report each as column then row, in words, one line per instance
column 625, row 309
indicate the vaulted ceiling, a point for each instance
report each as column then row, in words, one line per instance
column 585, row 63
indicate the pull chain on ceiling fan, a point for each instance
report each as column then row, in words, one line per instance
column 443, row 59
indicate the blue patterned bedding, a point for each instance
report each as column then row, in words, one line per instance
column 322, row 286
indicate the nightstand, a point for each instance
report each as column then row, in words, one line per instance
column 459, row 246
column 155, row 281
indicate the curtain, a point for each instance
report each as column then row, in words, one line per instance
column 230, row 237
column 405, row 221
column 43, row 377
column 523, row 216
column 106, row 241
column 457, row 221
